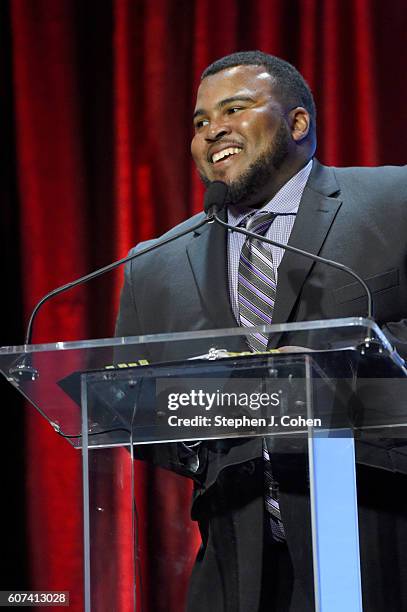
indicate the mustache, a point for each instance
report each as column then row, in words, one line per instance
column 255, row 178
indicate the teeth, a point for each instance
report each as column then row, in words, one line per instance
column 225, row 153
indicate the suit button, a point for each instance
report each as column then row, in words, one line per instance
column 249, row 468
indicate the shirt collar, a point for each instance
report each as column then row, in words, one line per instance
column 286, row 200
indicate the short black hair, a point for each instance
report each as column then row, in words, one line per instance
column 291, row 86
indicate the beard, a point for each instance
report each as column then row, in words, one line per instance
column 257, row 175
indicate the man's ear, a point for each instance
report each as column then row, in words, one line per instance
column 300, row 123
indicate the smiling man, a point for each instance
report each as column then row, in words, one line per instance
column 249, row 133
column 254, row 123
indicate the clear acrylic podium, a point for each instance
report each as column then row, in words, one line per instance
column 121, row 399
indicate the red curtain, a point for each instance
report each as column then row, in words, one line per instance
column 102, row 97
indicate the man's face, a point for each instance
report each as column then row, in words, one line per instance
column 241, row 133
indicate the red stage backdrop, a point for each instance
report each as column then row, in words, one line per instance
column 103, row 94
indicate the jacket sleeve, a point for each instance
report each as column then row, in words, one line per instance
column 184, row 459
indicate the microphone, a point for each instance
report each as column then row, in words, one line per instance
column 215, row 199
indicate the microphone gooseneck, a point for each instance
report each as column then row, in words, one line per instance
column 104, row 270
column 288, row 247
column 214, row 201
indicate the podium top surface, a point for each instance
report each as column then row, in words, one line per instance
column 351, row 327
column 50, row 375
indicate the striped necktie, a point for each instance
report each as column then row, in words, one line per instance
column 256, row 281
column 256, row 297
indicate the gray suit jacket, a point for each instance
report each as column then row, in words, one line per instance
column 356, row 216
column 353, row 215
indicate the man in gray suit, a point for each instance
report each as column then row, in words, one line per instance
column 255, row 130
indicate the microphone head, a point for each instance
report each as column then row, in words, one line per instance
column 215, row 197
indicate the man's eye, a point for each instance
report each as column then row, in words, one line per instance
column 233, row 109
column 200, row 124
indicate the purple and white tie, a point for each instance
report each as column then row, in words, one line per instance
column 256, row 281
column 256, row 297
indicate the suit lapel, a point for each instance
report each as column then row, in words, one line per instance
column 314, row 219
column 206, row 253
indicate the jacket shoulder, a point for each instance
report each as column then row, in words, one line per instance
column 387, row 176
column 184, row 226
column 374, row 182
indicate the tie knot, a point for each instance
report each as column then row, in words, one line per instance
column 260, row 222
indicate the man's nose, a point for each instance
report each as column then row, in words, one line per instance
column 217, row 131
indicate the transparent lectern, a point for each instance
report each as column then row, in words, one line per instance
column 167, row 399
